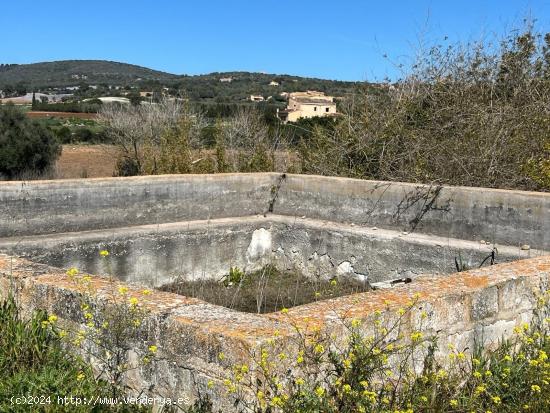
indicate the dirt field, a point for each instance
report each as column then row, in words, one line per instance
column 40, row 115
column 86, row 161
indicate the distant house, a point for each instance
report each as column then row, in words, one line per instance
column 273, row 83
column 308, row 104
column 256, row 98
column 226, row 79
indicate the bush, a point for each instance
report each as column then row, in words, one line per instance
column 474, row 114
column 26, row 147
column 75, row 107
column 33, row 362
column 41, row 357
column 64, row 134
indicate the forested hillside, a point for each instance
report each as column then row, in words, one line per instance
column 223, row 87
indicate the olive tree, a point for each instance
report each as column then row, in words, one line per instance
column 143, row 132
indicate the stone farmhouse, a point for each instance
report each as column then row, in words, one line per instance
column 308, row 104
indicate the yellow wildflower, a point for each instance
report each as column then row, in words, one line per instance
column 276, row 401
column 416, row 336
column 319, row 349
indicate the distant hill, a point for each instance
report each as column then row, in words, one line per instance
column 72, row 72
column 244, row 84
column 216, row 87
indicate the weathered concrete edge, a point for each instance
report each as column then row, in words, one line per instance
column 534, row 271
column 487, row 302
column 509, row 217
column 222, row 176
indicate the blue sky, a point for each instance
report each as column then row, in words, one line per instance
column 338, row 39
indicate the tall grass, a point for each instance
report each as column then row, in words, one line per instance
column 36, row 369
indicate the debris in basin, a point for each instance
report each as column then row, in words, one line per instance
column 391, row 283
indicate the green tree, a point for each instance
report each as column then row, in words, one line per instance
column 26, row 147
column 135, row 98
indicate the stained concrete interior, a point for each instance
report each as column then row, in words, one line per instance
column 161, row 228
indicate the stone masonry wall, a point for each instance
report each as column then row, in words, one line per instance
column 482, row 305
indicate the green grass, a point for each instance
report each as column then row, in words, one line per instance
column 35, row 365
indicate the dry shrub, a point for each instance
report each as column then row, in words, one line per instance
column 475, row 114
column 166, row 138
column 155, row 138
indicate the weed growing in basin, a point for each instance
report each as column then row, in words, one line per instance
column 235, row 276
column 266, row 290
column 387, row 366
